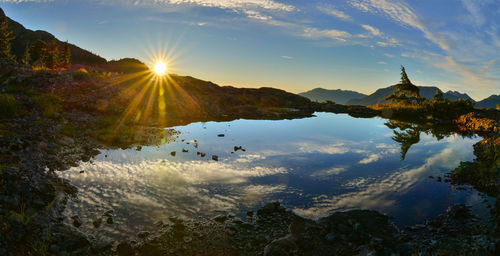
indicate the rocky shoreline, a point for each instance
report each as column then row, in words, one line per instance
column 274, row 230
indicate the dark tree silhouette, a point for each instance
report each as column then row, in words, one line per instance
column 65, row 56
column 438, row 97
column 51, row 58
column 407, row 136
column 37, row 50
column 406, row 139
column 6, row 35
column 27, row 56
column 406, row 92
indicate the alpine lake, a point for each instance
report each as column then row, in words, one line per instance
column 313, row 166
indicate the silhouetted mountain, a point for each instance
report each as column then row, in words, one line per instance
column 125, row 65
column 454, row 95
column 425, row 91
column 338, row 96
column 489, row 102
column 24, row 37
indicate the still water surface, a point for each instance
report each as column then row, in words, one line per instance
column 313, row 166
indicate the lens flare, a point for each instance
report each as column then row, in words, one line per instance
column 160, row 68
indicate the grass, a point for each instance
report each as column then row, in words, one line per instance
column 49, row 105
column 427, row 110
column 10, row 106
column 41, row 246
column 23, row 216
column 69, row 129
column 80, row 74
column 19, row 89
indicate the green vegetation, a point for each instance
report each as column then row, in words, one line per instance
column 49, row 55
column 80, row 74
column 24, row 215
column 406, row 92
column 27, row 56
column 69, row 129
column 41, row 246
column 6, row 35
column 406, row 104
column 49, row 105
column 498, row 106
column 9, row 106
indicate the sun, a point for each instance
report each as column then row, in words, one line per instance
column 160, row 68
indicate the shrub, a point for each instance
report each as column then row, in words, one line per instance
column 9, row 106
column 19, row 89
column 80, row 74
column 69, row 129
column 49, row 105
column 498, row 106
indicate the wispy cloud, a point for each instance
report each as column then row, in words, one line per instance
column 400, row 12
column 25, row 1
column 287, row 57
column 372, row 30
column 334, row 12
column 334, row 34
column 474, row 7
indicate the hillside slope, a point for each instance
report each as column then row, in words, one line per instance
column 24, row 37
column 489, row 102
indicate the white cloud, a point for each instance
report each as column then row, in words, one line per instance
column 372, row 30
column 328, row 172
column 287, row 57
column 335, row 13
column 380, row 195
column 334, row 34
column 254, row 9
column 235, row 4
column 25, row 1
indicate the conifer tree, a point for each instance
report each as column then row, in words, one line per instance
column 37, row 50
column 6, row 35
column 438, row 97
column 27, row 56
column 405, row 92
column 65, row 56
column 51, row 59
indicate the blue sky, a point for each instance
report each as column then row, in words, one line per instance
column 293, row 45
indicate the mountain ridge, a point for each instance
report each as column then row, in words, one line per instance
column 337, row 95
column 489, row 102
column 425, row 91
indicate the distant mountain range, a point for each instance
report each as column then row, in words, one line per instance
column 489, row 102
column 348, row 97
column 425, row 91
column 25, row 37
column 337, row 96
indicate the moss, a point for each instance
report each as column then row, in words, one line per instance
column 80, row 74
column 10, row 106
column 20, row 89
column 49, row 105
column 69, row 129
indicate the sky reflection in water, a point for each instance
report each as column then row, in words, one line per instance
column 314, row 166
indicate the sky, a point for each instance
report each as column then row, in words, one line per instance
column 293, row 45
